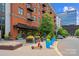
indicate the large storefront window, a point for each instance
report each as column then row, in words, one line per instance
column 2, row 26
column 2, row 20
column 2, row 7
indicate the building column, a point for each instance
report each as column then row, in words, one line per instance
column 7, row 18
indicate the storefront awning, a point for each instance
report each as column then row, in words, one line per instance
column 23, row 26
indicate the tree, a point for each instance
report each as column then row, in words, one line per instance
column 46, row 24
column 77, row 32
column 63, row 32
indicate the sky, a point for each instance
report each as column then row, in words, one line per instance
column 62, row 7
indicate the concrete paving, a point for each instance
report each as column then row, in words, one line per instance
column 26, row 50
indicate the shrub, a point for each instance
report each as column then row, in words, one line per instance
column 77, row 32
column 37, row 36
column 63, row 32
column 47, row 24
column 6, row 36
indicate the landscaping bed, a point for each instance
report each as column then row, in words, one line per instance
column 10, row 45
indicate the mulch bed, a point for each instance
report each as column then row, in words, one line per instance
column 10, row 46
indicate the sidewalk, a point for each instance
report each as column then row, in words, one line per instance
column 27, row 51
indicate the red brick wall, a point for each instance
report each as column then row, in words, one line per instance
column 15, row 20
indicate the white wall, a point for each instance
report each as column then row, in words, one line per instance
column 58, row 22
column 7, row 18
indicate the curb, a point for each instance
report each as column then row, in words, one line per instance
column 56, row 49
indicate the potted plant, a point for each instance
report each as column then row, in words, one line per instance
column 30, row 39
column 6, row 37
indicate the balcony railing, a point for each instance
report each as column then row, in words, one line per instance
column 43, row 11
column 29, row 7
column 50, row 12
column 54, row 20
column 44, row 5
column 30, row 18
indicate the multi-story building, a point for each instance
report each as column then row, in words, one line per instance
column 68, row 17
column 58, row 22
column 16, row 17
column 19, row 17
column 69, row 20
column 24, row 17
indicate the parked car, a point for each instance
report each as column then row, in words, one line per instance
column 60, row 37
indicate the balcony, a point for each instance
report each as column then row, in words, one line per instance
column 54, row 16
column 54, row 20
column 50, row 12
column 43, row 11
column 29, row 7
column 30, row 18
column 44, row 5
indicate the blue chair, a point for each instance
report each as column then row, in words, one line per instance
column 47, row 44
column 52, row 40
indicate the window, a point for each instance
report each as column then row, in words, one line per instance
column 20, row 11
column 3, row 20
column 34, row 9
column 39, row 9
column 39, row 19
column 38, row 5
column 28, row 5
column 34, row 5
column 28, row 14
column 0, row 21
column 39, row 13
column 3, row 4
column 2, row 7
column 34, row 18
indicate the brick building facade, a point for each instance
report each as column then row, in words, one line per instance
column 25, row 17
